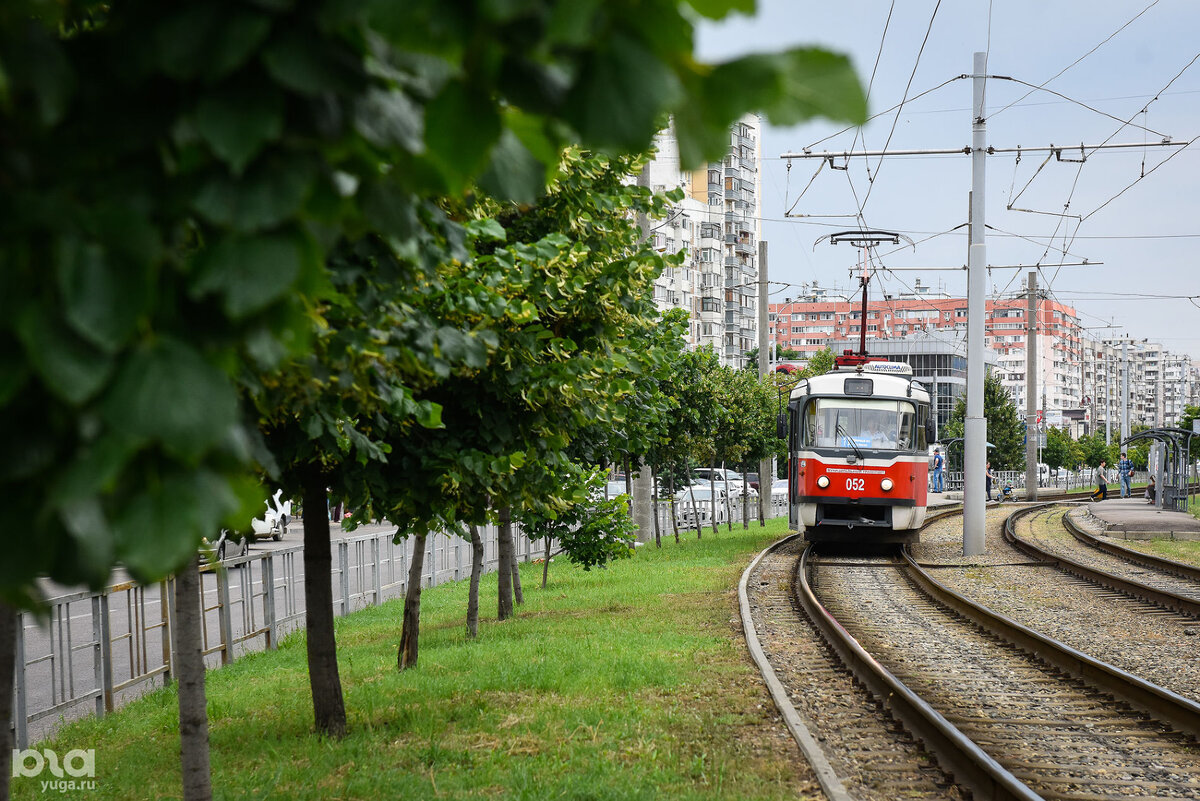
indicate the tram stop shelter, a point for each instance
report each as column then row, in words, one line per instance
column 1171, row 471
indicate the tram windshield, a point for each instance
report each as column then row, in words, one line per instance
column 872, row 423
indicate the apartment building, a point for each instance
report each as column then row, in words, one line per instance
column 717, row 224
column 1078, row 378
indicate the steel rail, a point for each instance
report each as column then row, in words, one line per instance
column 970, row 765
column 1163, row 598
column 1160, row 563
column 1162, row 704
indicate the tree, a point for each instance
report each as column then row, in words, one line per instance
column 181, row 171
column 752, row 405
column 820, row 363
column 560, row 366
column 783, row 353
column 1005, row 429
column 1190, row 414
column 590, row 529
column 1061, row 450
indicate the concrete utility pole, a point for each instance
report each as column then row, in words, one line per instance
column 1032, row 435
column 1108, row 404
column 975, row 429
column 643, row 479
column 765, row 474
column 1125, row 388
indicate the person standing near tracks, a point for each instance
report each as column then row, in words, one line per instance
column 1125, row 474
column 989, row 477
column 1101, row 493
column 938, row 464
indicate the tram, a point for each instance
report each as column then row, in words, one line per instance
column 857, row 453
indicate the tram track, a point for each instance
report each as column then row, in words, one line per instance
column 1171, row 585
column 1027, row 730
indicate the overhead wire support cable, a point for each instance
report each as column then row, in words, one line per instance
column 966, row 150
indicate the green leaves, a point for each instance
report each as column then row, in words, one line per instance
column 263, row 198
column 311, row 65
column 162, row 526
column 787, row 87
column 461, row 125
column 251, row 272
column 103, row 297
column 237, row 121
column 167, row 393
column 514, row 173
column 390, row 119
column 623, row 74
column 71, row 368
column 718, row 9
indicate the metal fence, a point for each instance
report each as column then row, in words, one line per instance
column 93, row 651
column 1062, row 479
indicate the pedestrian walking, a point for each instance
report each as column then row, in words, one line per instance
column 938, row 466
column 1125, row 474
column 989, row 477
column 1101, row 493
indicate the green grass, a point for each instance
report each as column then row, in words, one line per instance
column 1186, row 551
column 626, row 683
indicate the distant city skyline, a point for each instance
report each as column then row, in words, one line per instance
column 1132, row 214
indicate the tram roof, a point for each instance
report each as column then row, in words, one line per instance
column 889, row 379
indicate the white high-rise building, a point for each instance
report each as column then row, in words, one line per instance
column 717, row 222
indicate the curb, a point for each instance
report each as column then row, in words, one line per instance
column 812, row 751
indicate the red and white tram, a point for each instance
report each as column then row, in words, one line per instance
column 857, row 453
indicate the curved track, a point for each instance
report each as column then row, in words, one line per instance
column 1171, row 585
column 1027, row 720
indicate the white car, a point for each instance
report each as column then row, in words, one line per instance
column 727, row 480
column 273, row 524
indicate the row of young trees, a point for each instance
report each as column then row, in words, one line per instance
column 384, row 248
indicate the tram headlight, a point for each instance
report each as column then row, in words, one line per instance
column 823, row 482
column 886, row 485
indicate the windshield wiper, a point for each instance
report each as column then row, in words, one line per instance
column 840, row 429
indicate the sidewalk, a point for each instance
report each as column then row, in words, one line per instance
column 1134, row 519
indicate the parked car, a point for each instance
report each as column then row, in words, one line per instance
column 779, row 487
column 752, row 479
column 730, row 479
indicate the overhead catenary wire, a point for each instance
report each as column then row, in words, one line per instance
column 1058, row 74
column 903, row 101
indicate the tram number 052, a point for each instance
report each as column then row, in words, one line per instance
column 856, row 485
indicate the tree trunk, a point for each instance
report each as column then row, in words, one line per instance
column 745, row 503
column 654, row 507
column 8, row 663
column 410, row 629
column 329, row 709
column 515, row 563
column 674, row 511
column 189, row 673
column 476, row 572
column 629, row 488
column 695, row 509
column 504, row 606
column 712, row 489
column 546, row 563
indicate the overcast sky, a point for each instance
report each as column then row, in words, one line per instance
column 1146, row 236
